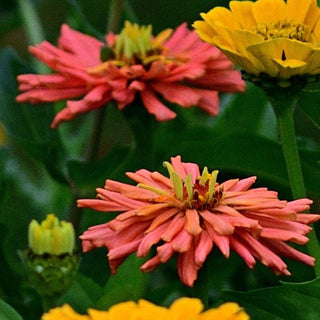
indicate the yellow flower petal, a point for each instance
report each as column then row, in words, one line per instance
column 283, row 49
column 316, row 31
column 265, row 11
column 244, row 62
column 297, row 10
column 185, row 308
column 205, row 32
column 241, row 39
column 148, row 310
column 312, row 15
column 122, row 310
column 227, row 311
column 220, row 16
column 63, row 313
column 243, row 12
column 313, row 66
column 98, row 314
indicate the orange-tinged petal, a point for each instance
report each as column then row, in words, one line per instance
column 162, row 217
column 218, row 223
column 193, row 222
column 243, row 12
column 265, row 11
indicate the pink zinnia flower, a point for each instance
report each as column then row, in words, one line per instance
column 190, row 213
column 177, row 66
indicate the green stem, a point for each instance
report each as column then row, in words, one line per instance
column 201, row 289
column 142, row 125
column 49, row 302
column 93, row 146
column 114, row 16
column 283, row 108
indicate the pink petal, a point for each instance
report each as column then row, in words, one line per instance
column 154, row 106
column 176, row 93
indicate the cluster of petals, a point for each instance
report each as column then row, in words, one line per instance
column 278, row 38
column 190, row 213
column 182, row 308
column 188, row 72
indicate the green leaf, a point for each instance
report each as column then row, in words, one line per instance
column 7, row 312
column 309, row 103
column 298, row 301
column 128, row 284
column 23, row 121
column 28, row 125
column 242, row 154
column 242, row 112
column 87, row 176
column 83, row 294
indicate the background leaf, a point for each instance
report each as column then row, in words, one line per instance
column 7, row 312
column 289, row 301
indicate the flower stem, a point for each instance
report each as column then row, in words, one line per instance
column 114, row 15
column 142, row 125
column 33, row 29
column 113, row 24
column 48, row 302
column 201, row 289
column 283, row 107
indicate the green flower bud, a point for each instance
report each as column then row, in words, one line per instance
column 51, row 261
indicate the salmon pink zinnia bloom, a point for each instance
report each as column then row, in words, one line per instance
column 175, row 65
column 190, row 213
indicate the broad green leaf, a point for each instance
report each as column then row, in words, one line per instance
column 83, row 293
column 298, row 301
column 23, row 121
column 7, row 312
column 88, row 176
column 309, row 102
column 29, row 125
column 128, row 284
column 29, row 192
column 241, row 154
column 244, row 112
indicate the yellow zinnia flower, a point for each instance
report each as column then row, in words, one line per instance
column 271, row 37
column 181, row 309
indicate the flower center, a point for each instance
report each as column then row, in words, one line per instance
column 135, row 44
column 200, row 195
column 283, row 29
column 203, row 194
column 201, row 198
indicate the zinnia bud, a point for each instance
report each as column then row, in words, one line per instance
column 51, row 260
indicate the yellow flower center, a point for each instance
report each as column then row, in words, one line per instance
column 283, row 29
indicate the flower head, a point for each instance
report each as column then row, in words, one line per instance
column 183, row 308
column 175, row 65
column 189, row 213
column 267, row 37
